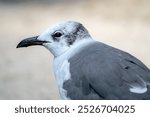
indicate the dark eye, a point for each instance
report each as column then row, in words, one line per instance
column 57, row 34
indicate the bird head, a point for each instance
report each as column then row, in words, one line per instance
column 58, row 38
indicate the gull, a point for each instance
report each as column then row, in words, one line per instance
column 86, row 69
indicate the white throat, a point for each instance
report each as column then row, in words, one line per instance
column 62, row 65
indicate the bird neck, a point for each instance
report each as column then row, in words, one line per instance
column 76, row 47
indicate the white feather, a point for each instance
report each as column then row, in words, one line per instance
column 62, row 73
column 139, row 90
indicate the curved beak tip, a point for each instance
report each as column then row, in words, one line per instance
column 30, row 42
column 18, row 46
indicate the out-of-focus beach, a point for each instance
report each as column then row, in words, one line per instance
column 27, row 73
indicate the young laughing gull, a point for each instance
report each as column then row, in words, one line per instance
column 87, row 69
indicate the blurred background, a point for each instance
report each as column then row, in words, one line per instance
column 27, row 73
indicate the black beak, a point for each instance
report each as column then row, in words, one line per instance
column 30, row 41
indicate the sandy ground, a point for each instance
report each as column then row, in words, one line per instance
column 27, row 73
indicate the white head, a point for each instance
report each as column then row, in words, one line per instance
column 59, row 37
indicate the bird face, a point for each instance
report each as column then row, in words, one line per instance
column 58, row 38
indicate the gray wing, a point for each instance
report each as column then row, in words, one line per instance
column 100, row 71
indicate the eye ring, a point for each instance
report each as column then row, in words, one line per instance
column 57, row 34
